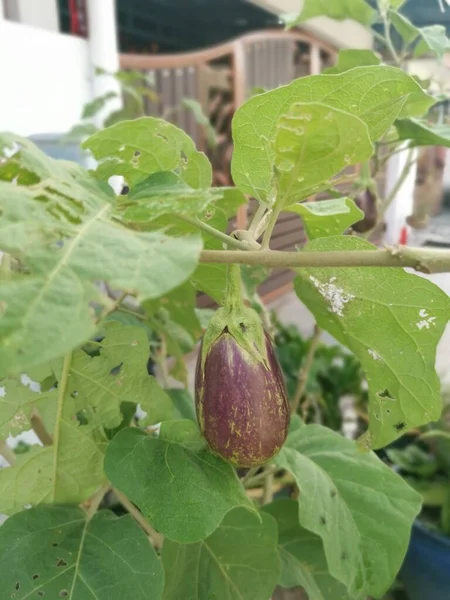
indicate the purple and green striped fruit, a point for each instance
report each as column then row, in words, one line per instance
column 240, row 395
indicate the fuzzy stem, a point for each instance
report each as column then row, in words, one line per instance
column 259, row 214
column 425, row 260
column 270, row 227
column 268, row 488
column 304, row 371
column 233, row 293
column 223, row 237
column 96, row 500
column 155, row 537
column 62, row 384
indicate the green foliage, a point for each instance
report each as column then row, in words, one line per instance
column 343, row 493
column 242, row 544
column 349, row 59
column 374, row 95
column 99, row 290
column 135, row 150
column 58, row 553
column 403, row 385
column 177, row 467
column 328, row 217
column 358, row 10
column 422, row 133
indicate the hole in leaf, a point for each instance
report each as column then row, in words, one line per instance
column 116, row 370
column 17, row 586
column 63, row 593
column 400, row 426
column 35, row 576
column 61, row 563
column 41, row 593
column 137, row 153
column 386, row 395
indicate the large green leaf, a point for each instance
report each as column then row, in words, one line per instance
column 68, row 472
column 367, row 308
column 349, row 59
column 421, row 133
column 327, row 217
column 55, row 552
column 376, row 94
column 137, row 149
column 358, row 10
column 360, row 508
column 59, row 225
column 313, row 142
column 239, row 560
column 118, row 374
column 303, row 561
column 198, row 488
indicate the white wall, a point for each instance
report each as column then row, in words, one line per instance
column 40, row 13
column 44, row 79
column 343, row 34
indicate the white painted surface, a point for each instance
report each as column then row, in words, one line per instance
column 103, row 51
column 38, row 13
column 343, row 34
column 402, row 205
column 44, row 77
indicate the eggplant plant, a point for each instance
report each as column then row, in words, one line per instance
column 95, row 287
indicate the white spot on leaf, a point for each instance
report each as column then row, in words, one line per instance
column 336, row 297
column 426, row 320
column 374, row 354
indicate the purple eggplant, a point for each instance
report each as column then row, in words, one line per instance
column 240, row 395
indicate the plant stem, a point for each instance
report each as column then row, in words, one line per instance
column 270, row 227
column 388, row 39
column 400, row 181
column 268, row 487
column 233, row 293
column 96, row 500
column 62, row 384
column 424, row 260
column 7, row 452
column 304, row 371
column 39, row 428
column 250, row 473
column 223, row 237
column 160, row 358
column 259, row 214
column 155, row 537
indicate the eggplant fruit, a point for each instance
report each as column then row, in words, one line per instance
column 367, row 202
column 240, row 394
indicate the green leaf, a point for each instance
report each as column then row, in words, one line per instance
column 358, row 10
column 434, row 38
column 139, row 148
column 62, row 231
column 365, row 309
column 90, row 109
column 79, row 132
column 198, row 488
column 118, row 374
column 183, row 403
column 360, row 508
column 349, row 59
column 421, row 133
column 197, row 110
column 303, row 561
column 404, row 27
column 67, row 473
column 327, row 217
column 376, row 94
column 165, row 193
column 62, row 554
column 239, row 560
column 308, row 154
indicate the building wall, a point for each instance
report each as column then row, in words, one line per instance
column 44, row 78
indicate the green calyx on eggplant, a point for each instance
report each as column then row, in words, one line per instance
column 240, row 395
